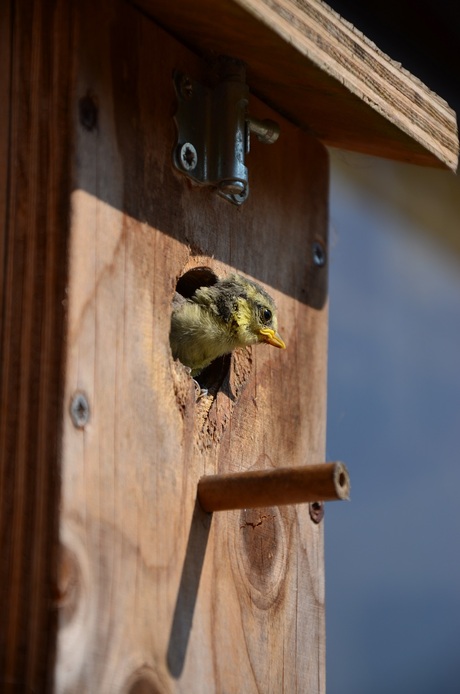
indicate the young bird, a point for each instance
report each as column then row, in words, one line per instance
column 234, row 312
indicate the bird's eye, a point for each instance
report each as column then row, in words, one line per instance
column 266, row 315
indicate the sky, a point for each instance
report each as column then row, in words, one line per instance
column 393, row 551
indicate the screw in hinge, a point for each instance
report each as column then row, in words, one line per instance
column 188, row 156
column 316, row 509
column 79, row 410
column 319, row 253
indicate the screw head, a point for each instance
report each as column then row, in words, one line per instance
column 316, row 509
column 88, row 112
column 319, row 253
column 79, row 410
column 188, row 156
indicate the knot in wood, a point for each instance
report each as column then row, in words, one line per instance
column 262, row 554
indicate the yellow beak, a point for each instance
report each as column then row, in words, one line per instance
column 270, row 336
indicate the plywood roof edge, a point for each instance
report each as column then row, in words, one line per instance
column 339, row 49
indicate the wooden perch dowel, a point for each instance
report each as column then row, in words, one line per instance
column 260, row 488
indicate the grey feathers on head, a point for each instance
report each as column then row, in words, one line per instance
column 215, row 318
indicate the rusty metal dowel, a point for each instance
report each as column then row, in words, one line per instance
column 258, row 488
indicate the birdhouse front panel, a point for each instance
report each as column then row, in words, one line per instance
column 158, row 595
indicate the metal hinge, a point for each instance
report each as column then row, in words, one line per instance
column 213, row 130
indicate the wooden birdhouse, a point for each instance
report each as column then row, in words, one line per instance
column 137, row 144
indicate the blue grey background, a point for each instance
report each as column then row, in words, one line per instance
column 392, row 553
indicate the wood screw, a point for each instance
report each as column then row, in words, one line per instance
column 79, row 410
column 319, row 254
column 316, row 509
column 188, row 156
column 88, row 113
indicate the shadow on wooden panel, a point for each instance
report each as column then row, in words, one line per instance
column 188, row 590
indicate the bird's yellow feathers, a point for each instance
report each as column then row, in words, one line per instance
column 234, row 312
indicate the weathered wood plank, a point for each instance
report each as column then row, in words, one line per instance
column 322, row 73
column 155, row 596
column 34, row 207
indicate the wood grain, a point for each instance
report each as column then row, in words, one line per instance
column 34, row 207
column 322, row 73
column 155, row 597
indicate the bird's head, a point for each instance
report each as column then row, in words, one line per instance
column 252, row 312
